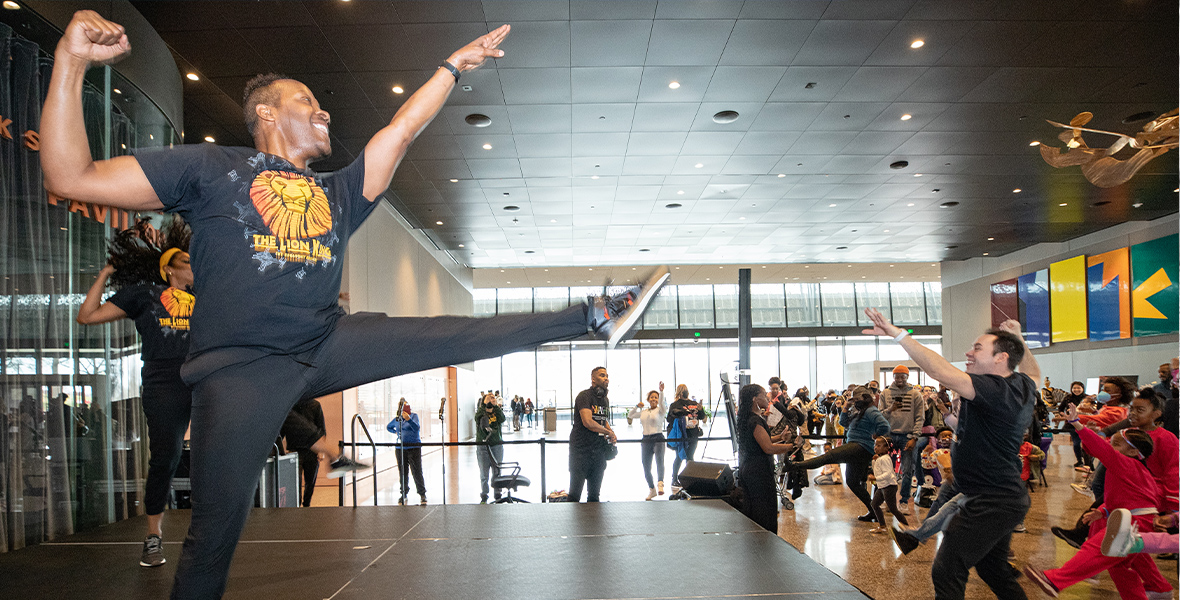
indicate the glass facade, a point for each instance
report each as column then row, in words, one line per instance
column 73, row 444
column 559, row 371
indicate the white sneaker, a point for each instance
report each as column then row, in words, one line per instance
column 1082, row 489
column 651, row 493
column 1121, row 535
column 904, row 509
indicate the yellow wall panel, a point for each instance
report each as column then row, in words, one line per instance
column 1067, row 299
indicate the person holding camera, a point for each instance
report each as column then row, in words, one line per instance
column 489, row 419
column 409, row 451
column 592, row 441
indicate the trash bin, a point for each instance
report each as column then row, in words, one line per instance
column 550, row 414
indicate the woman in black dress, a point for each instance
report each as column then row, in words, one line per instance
column 755, row 465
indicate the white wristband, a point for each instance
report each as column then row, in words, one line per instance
column 901, row 336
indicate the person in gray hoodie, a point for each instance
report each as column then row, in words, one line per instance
column 904, row 408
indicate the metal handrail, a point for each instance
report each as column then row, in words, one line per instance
column 357, row 419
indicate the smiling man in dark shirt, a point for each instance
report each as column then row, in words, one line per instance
column 996, row 406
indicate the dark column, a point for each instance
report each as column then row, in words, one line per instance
column 745, row 326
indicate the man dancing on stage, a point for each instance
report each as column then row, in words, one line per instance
column 267, row 237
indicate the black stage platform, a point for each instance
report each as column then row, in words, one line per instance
column 696, row 549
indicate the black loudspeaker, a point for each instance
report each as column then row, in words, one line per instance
column 706, row 479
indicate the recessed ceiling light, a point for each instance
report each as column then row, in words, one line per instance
column 991, row 239
column 831, row 206
column 1063, row 204
column 680, row 192
column 910, row 204
column 438, row 222
column 906, row 117
column 781, row 175
column 117, row 90
column 890, row 266
column 917, row 44
column 699, row 165
column 487, row 146
column 1017, row 191
column 593, row 177
column 193, row 77
column 1137, row 205
column 462, row 246
column 741, row 218
column 10, row 5
column 1176, row 190
column 1034, row 143
column 454, row 181
column 151, row 136
column 552, row 220
column 985, row 253
column 209, row 138
column 917, row 174
column 707, row 279
column 886, row 231
column 674, row 85
column 397, row 89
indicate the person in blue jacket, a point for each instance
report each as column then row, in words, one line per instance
column 409, row 451
column 862, row 423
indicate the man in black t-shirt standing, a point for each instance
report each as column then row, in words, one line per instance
column 996, row 405
column 590, row 438
column 269, row 235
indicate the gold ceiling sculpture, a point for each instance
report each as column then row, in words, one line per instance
column 1098, row 164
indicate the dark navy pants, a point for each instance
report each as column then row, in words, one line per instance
column 167, row 402
column 241, row 402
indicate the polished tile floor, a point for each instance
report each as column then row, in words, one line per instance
column 823, row 524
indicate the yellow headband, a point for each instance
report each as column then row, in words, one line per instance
column 166, row 258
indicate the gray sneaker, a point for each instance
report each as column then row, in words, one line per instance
column 344, row 465
column 153, row 552
column 615, row 318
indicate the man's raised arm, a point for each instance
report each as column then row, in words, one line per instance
column 385, row 151
column 70, row 171
column 935, row 365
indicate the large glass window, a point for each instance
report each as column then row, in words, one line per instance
column 839, row 305
column 803, row 305
column 725, row 299
column 584, row 356
column 860, row 349
column 933, row 302
column 768, row 307
column 657, row 362
column 872, row 295
column 553, row 376
column 796, row 363
column 488, row 375
column 692, row 367
column 623, row 368
column 763, row 360
column 909, row 307
column 520, row 375
column 551, row 299
column 514, row 301
column 485, row 302
column 696, row 306
column 663, row 312
column 829, row 364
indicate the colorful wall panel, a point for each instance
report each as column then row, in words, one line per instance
column 1154, row 291
column 1004, row 303
column 1067, row 299
column 1108, row 281
column 1032, row 292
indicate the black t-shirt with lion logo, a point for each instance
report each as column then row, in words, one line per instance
column 267, row 243
column 161, row 315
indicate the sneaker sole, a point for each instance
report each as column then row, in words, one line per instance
column 1038, row 577
column 149, row 565
column 1116, row 536
column 655, row 282
column 342, row 472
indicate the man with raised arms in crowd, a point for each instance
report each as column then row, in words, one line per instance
column 268, row 234
column 996, row 406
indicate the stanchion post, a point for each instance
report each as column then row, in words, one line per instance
column 544, row 495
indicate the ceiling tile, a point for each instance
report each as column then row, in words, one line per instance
column 767, row 142
column 937, row 36
column 540, row 118
column 664, row 117
column 648, row 165
column 602, row 117
column 747, row 114
column 535, row 43
column 868, row 9
column 945, row 84
column 877, row 142
column 694, row 42
column 599, row 144
column 609, row 43
column 651, row 143
column 745, row 165
column 698, row 9
column 842, row 42
column 535, row 86
column 711, row 142
column 694, row 81
column 433, row 42
column 822, row 142
column 545, row 167
column 878, row 84
column 454, row 117
column 429, row 11
column 847, row 115
column 606, row 84
column 612, row 9
column 743, row 84
column 543, row 145
column 511, row 11
column 494, row 168
column 765, row 43
column 782, row 116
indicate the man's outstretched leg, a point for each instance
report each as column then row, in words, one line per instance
column 236, row 416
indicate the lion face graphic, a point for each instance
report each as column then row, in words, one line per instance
column 292, row 206
column 178, row 303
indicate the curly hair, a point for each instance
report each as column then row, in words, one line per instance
column 1126, row 389
column 135, row 255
